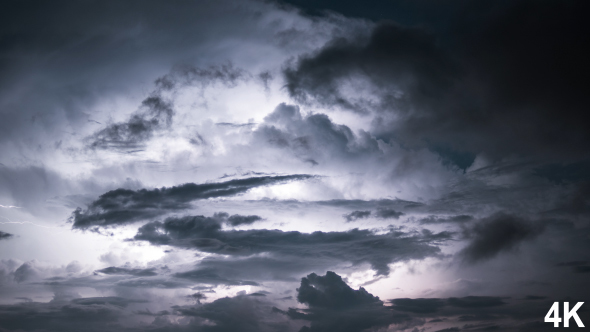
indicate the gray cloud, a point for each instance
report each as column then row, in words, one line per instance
column 313, row 138
column 5, row 236
column 124, row 206
column 382, row 213
column 496, row 234
column 156, row 112
column 417, row 305
column 475, row 312
column 211, row 276
column 355, row 215
column 453, row 219
column 385, row 213
column 500, row 88
column 125, row 271
column 236, row 219
column 88, row 314
column 25, row 272
column 461, row 110
column 335, row 306
column 240, row 313
column 356, row 246
column 403, row 59
column 577, row 266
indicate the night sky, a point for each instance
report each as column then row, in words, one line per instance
column 301, row 165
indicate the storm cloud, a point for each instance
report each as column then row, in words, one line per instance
column 90, row 314
column 355, row 215
column 356, row 246
column 5, row 236
column 293, row 165
column 124, row 206
column 458, row 91
column 496, row 234
column 157, row 112
column 335, row 306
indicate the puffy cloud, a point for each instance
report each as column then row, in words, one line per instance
column 335, row 306
column 462, row 87
column 475, row 109
column 405, row 60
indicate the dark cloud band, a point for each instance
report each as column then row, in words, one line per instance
column 124, row 206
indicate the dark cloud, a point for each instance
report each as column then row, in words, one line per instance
column 385, row 213
column 88, row 314
column 356, row 246
column 330, row 291
column 572, row 263
column 486, row 78
column 244, row 270
column 450, row 329
column 576, row 266
column 475, row 302
column 71, row 58
column 371, row 204
column 125, row 271
column 355, row 215
column 577, row 203
column 123, row 206
column 147, row 283
column 156, row 112
column 582, row 269
column 25, row 272
column 188, row 75
column 211, row 276
column 240, row 313
column 482, row 104
column 453, row 219
column 314, row 138
column 5, row 236
column 417, row 305
column 402, row 59
column 496, row 234
column 335, row 306
column 432, row 305
column 382, row 213
column 198, row 297
column 475, row 313
column 236, row 219
column 112, row 300
column 562, row 173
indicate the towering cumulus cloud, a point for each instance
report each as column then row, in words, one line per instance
column 293, row 165
column 333, row 305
